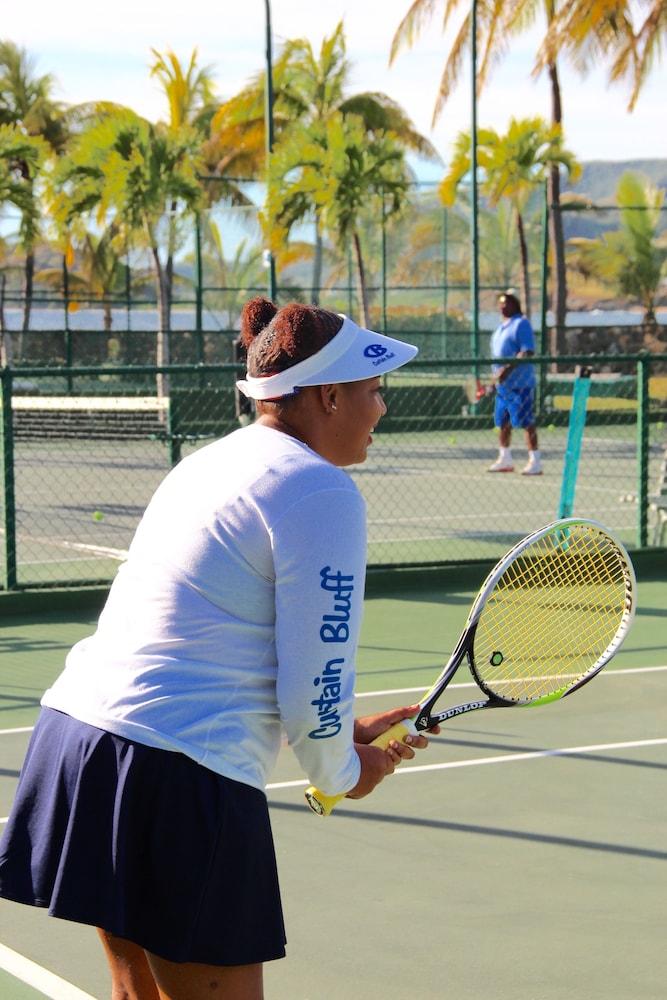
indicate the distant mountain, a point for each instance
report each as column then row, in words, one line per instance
column 597, row 185
column 600, row 178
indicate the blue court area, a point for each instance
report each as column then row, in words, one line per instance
column 521, row 856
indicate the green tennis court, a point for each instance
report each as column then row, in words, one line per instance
column 520, row 857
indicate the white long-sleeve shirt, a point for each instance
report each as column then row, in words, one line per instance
column 238, row 609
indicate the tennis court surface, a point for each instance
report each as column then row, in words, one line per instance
column 522, row 856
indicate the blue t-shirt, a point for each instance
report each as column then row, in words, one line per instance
column 513, row 335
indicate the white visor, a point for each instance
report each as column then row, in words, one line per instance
column 353, row 354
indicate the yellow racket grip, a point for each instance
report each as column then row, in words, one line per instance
column 323, row 804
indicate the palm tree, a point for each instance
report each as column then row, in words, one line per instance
column 21, row 158
column 343, row 174
column 630, row 39
column 236, row 275
column 496, row 24
column 631, row 260
column 133, row 172
column 191, row 101
column 309, row 88
column 419, row 239
column 514, row 166
column 190, row 93
column 95, row 270
column 499, row 246
column 26, row 101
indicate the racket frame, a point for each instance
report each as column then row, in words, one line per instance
column 426, row 719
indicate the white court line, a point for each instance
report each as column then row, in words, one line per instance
column 98, row 550
column 471, row 684
column 502, row 759
column 102, row 404
column 47, row 983
column 476, row 761
column 416, row 690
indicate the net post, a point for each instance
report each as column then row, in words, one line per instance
column 575, row 433
column 642, row 448
column 383, row 246
column 9, row 576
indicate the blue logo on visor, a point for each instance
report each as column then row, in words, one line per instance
column 375, row 351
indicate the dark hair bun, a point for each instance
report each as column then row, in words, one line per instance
column 276, row 339
column 255, row 317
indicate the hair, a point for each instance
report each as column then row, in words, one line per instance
column 509, row 294
column 276, row 339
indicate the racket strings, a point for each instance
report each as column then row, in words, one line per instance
column 552, row 615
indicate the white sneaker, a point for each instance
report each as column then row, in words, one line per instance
column 501, row 465
column 532, row 469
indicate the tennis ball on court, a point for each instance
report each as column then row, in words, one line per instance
column 452, row 440
column 551, row 427
column 98, row 515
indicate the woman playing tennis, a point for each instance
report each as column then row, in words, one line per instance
column 141, row 807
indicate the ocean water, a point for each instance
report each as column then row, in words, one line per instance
column 143, row 320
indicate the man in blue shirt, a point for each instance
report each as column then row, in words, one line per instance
column 515, row 385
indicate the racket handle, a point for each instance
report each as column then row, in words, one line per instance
column 323, row 804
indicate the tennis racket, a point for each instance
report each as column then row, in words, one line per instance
column 547, row 618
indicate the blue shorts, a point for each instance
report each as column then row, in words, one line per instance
column 515, row 407
column 144, row 843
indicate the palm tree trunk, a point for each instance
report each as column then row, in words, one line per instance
column 525, row 273
column 162, row 354
column 169, row 270
column 650, row 320
column 28, row 284
column 168, row 282
column 317, row 263
column 559, row 297
column 6, row 353
column 361, row 280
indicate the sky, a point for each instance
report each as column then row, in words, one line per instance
column 102, row 51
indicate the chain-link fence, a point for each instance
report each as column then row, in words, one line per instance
column 83, row 451
column 416, row 268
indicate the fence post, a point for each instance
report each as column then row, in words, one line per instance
column 445, row 283
column 7, row 480
column 68, row 332
column 128, row 287
column 174, row 442
column 543, row 298
column 199, row 291
column 642, row 450
column 383, row 245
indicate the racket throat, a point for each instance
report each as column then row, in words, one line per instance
column 426, row 718
column 451, row 713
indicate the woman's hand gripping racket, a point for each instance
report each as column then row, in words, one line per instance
column 548, row 617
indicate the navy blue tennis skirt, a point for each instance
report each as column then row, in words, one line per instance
column 144, row 843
